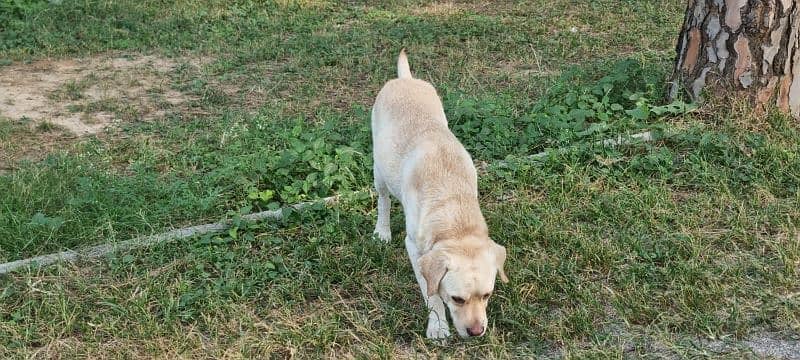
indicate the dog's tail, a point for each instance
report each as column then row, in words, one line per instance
column 403, row 70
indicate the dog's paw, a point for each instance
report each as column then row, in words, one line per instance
column 437, row 330
column 384, row 235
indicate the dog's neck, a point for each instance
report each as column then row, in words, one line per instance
column 444, row 222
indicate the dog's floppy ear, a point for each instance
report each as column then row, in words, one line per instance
column 433, row 266
column 500, row 259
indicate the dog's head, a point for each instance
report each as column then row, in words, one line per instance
column 464, row 279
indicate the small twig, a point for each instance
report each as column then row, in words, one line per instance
column 645, row 136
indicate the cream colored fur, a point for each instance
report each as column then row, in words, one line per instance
column 422, row 164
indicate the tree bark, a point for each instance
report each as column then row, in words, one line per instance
column 751, row 47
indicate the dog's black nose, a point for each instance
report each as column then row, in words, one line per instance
column 476, row 330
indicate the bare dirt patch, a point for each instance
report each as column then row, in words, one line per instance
column 46, row 105
column 449, row 8
column 438, row 8
column 85, row 96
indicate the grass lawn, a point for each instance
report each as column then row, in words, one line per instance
column 675, row 248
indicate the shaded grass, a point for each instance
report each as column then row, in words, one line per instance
column 599, row 254
column 636, row 251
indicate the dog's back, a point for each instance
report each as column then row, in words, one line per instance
column 408, row 116
column 416, row 155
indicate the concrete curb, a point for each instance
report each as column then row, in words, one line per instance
column 145, row 241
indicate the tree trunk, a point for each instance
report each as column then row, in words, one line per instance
column 751, row 47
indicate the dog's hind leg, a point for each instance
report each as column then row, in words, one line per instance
column 437, row 319
column 382, row 228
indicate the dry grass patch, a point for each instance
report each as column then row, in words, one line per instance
column 22, row 140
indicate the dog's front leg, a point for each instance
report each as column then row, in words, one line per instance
column 437, row 320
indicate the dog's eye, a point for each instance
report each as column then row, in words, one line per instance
column 458, row 300
column 486, row 296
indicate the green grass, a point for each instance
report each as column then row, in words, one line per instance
column 631, row 252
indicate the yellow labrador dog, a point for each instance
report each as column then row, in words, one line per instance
column 422, row 164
